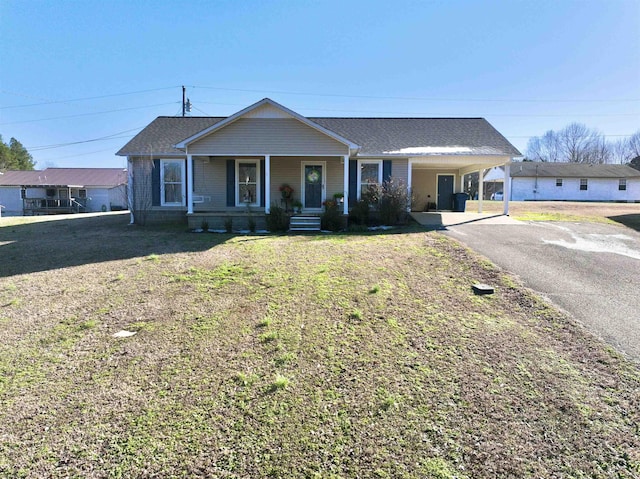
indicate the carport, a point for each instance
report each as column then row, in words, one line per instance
column 435, row 177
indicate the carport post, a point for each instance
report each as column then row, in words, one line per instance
column 506, row 191
column 480, row 189
column 189, row 184
column 345, row 198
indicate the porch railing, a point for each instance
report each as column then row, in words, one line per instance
column 36, row 206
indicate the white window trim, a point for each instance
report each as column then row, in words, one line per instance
column 622, row 184
column 359, row 173
column 183, row 184
column 255, row 161
column 586, row 184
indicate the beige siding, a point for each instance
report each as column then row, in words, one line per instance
column 289, row 170
column 400, row 169
column 210, row 180
column 142, row 169
column 271, row 136
column 424, row 186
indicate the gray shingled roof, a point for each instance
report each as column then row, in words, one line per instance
column 109, row 177
column 386, row 135
column 571, row 170
column 161, row 134
column 375, row 136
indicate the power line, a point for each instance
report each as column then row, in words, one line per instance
column 106, row 137
column 75, row 156
column 87, row 114
column 47, row 101
column 373, row 97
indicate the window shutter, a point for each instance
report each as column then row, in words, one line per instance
column 155, row 183
column 231, row 182
column 262, row 182
column 386, row 170
column 353, row 182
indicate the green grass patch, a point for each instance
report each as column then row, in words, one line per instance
column 303, row 356
column 539, row 216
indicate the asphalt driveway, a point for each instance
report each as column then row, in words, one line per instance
column 592, row 271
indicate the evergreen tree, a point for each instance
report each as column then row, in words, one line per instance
column 14, row 156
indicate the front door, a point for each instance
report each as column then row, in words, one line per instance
column 313, row 185
column 445, row 192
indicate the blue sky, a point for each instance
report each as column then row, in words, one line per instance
column 75, row 71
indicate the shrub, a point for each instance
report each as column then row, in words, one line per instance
column 252, row 224
column 204, row 225
column 277, row 219
column 228, row 225
column 359, row 214
column 331, row 219
column 394, row 201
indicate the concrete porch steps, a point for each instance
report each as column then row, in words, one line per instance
column 304, row 223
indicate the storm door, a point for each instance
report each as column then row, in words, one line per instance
column 313, row 185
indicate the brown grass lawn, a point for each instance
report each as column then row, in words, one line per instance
column 627, row 214
column 361, row 355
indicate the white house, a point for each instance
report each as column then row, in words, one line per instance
column 63, row 190
column 531, row 181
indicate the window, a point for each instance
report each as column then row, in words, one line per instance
column 558, row 181
column 622, row 184
column 82, row 193
column 370, row 175
column 583, row 184
column 172, row 184
column 247, row 187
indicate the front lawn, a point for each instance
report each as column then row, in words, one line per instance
column 293, row 356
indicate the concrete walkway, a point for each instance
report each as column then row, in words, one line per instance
column 444, row 219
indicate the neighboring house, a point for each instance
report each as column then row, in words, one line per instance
column 493, row 182
column 214, row 168
column 63, row 190
column 574, row 182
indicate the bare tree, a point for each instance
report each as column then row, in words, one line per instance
column 545, row 148
column 141, row 199
column 625, row 150
column 634, row 145
column 575, row 143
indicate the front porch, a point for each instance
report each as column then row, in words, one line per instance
column 50, row 206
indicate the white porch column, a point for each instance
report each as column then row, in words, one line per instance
column 506, row 191
column 345, row 198
column 480, row 189
column 130, row 197
column 409, row 181
column 189, row 184
column 267, row 183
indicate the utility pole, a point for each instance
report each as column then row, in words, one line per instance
column 186, row 103
column 184, row 92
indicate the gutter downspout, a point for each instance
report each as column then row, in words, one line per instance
column 506, row 191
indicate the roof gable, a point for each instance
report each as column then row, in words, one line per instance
column 265, row 108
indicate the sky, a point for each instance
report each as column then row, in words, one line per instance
column 78, row 79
